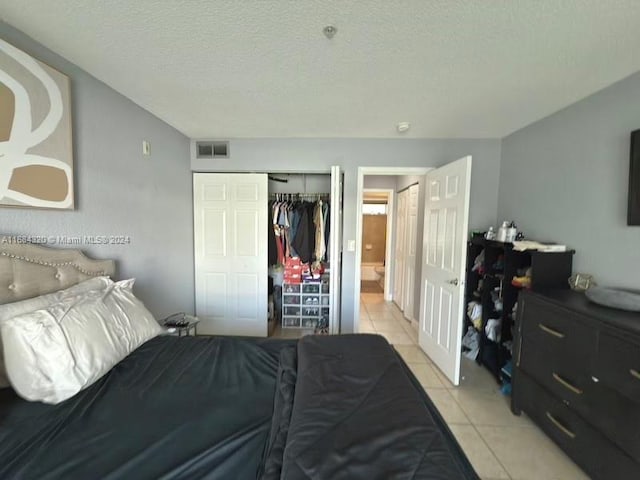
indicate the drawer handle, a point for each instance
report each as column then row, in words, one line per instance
column 566, row 384
column 550, row 331
column 560, row 426
column 634, row 373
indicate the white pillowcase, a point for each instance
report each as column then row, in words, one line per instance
column 10, row 310
column 53, row 353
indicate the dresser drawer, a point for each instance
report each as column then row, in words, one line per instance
column 569, row 380
column 617, row 365
column 562, row 372
column 600, row 458
column 543, row 323
column 617, row 417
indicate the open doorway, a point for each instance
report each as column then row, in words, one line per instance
column 377, row 217
column 374, row 185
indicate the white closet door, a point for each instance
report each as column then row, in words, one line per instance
column 230, row 245
column 411, row 239
column 444, row 252
column 399, row 269
column 335, row 248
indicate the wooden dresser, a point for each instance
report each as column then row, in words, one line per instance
column 577, row 376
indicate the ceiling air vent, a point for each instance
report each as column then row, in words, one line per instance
column 215, row 149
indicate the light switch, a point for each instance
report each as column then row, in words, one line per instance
column 351, row 246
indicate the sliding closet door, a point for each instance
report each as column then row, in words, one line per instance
column 230, row 229
column 399, row 269
column 335, row 246
column 411, row 237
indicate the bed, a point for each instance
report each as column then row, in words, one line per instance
column 322, row 407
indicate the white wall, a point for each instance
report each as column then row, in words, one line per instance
column 317, row 155
column 565, row 178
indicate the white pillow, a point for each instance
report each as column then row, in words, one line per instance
column 53, row 353
column 10, row 310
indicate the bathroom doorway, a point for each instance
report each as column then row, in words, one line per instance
column 377, row 216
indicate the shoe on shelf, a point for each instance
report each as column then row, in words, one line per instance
column 524, row 282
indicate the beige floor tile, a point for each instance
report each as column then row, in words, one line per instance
column 380, row 308
column 474, row 376
column 412, row 333
column 487, row 408
column 483, row 460
column 370, row 298
column 441, row 376
column 447, row 406
column 366, row 326
column 412, row 354
column 398, row 315
column 425, row 375
column 390, row 326
column 381, row 315
column 365, row 322
column 527, row 453
column 397, row 338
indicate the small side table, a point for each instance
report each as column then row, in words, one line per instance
column 181, row 324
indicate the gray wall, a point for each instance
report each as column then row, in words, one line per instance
column 317, row 155
column 379, row 181
column 119, row 191
column 565, row 178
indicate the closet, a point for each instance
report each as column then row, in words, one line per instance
column 233, row 230
column 299, row 262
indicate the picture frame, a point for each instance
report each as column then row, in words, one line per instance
column 36, row 147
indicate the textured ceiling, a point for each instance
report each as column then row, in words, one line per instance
column 237, row 68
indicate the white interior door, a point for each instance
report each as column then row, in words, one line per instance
column 444, row 254
column 335, row 248
column 411, row 240
column 399, row 270
column 230, row 228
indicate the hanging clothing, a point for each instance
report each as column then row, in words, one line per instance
column 293, row 228
column 300, row 230
column 304, row 242
column 272, row 249
column 318, row 221
column 279, row 231
column 326, row 215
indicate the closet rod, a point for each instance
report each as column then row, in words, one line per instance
column 408, row 187
column 296, row 196
column 281, row 180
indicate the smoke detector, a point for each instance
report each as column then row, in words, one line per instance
column 403, row 127
column 329, row 31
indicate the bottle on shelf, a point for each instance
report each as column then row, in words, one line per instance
column 491, row 234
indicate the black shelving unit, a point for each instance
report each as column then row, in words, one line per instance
column 500, row 265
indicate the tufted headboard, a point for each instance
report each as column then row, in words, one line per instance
column 28, row 270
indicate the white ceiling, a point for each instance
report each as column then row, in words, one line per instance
column 238, row 68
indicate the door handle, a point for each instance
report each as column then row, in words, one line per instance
column 560, row 426
column 453, row 282
column 550, row 331
column 566, row 384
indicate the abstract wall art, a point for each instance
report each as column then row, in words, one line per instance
column 36, row 153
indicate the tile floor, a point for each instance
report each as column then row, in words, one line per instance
column 499, row 444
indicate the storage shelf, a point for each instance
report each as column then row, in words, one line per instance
column 305, row 305
column 548, row 270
